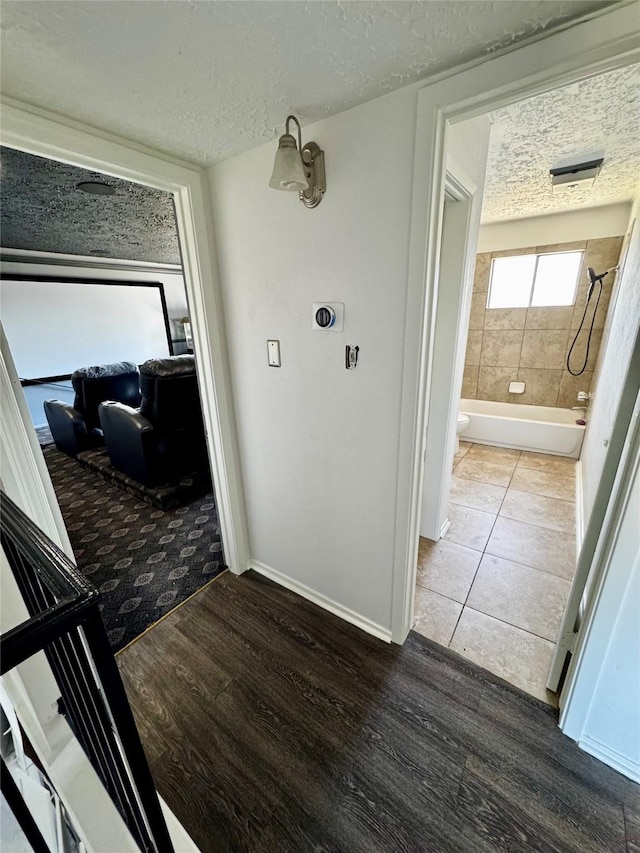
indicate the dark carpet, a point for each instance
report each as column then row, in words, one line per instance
column 144, row 561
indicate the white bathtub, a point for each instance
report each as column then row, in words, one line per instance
column 539, row 428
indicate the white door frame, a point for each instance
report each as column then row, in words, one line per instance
column 585, row 50
column 39, row 133
column 450, row 327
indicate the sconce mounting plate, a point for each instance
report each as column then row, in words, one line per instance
column 313, row 163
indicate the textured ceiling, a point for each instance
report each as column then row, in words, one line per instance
column 206, row 80
column 43, row 210
column 598, row 117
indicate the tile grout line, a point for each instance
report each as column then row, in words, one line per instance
column 484, row 550
column 484, row 553
column 511, row 625
column 465, row 604
column 475, row 574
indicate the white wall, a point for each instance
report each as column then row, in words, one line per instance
column 175, row 297
column 621, row 329
column 319, row 443
column 328, row 455
column 590, row 224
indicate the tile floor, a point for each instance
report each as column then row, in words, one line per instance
column 495, row 587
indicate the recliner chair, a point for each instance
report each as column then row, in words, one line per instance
column 77, row 428
column 164, row 439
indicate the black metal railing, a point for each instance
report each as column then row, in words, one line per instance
column 66, row 624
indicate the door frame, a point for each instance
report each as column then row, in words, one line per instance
column 39, row 133
column 450, row 322
column 586, row 48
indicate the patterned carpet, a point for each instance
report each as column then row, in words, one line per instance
column 144, row 561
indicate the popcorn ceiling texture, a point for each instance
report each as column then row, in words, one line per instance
column 43, row 210
column 206, row 80
column 597, row 117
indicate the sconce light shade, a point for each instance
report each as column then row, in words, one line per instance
column 299, row 168
column 288, row 171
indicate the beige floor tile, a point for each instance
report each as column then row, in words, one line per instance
column 476, row 495
column 533, row 546
column 469, row 527
column 537, row 509
column 511, row 653
column 435, row 616
column 499, row 455
column 524, row 597
column 447, row 568
column 484, row 472
column 548, row 463
column 541, row 483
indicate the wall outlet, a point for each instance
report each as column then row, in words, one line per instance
column 328, row 316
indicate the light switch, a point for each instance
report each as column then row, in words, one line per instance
column 273, row 353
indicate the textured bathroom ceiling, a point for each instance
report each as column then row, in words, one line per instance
column 206, row 80
column 43, row 210
column 598, row 117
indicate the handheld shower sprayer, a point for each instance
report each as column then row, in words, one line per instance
column 591, row 274
column 593, row 279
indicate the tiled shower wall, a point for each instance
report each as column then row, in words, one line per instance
column 531, row 344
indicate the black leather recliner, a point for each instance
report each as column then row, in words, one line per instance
column 77, row 428
column 164, row 439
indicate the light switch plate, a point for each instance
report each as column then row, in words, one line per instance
column 273, row 353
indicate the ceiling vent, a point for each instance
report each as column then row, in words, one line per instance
column 581, row 176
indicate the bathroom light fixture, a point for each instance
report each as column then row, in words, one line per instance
column 96, row 188
column 578, row 176
column 299, row 169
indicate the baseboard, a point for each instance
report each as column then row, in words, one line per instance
column 445, row 527
column 611, row 757
column 579, row 507
column 322, row 601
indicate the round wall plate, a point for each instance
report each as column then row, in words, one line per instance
column 328, row 316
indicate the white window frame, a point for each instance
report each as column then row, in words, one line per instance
column 537, row 256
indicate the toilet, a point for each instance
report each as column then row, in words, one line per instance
column 463, row 423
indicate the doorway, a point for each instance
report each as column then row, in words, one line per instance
column 93, row 297
column 187, row 186
column 507, row 531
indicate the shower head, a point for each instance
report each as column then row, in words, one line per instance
column 591, row 274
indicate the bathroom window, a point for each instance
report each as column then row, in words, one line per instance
column 534, row 281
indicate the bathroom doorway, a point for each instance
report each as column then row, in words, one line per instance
column 495, row 566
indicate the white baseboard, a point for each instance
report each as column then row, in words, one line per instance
column 322, row 601
column 611, row 757
column 444, row 528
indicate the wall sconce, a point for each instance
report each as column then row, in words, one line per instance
column 298, row 169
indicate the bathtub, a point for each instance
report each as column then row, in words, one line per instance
column 539, row 428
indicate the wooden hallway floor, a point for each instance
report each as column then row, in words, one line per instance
column 271, row 725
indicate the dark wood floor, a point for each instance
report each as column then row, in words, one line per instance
column 271, row 725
